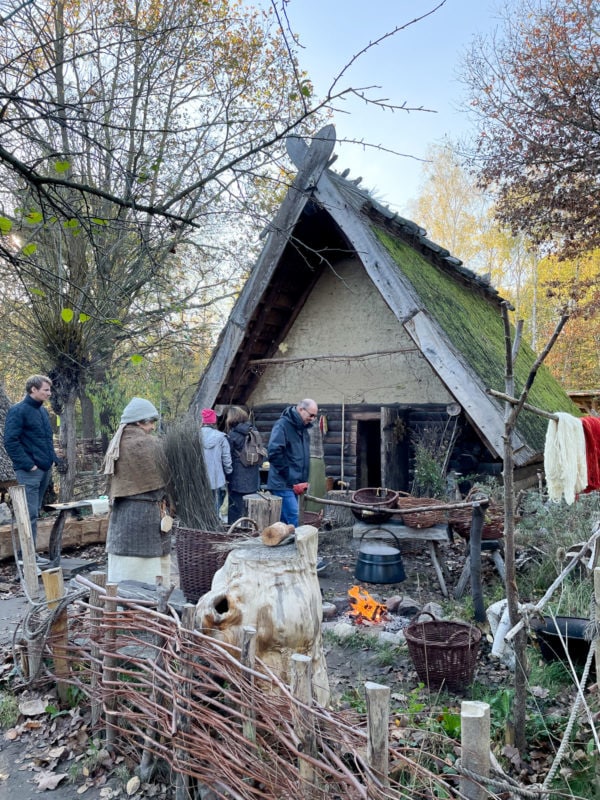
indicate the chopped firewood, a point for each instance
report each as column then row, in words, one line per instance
column 276, row 533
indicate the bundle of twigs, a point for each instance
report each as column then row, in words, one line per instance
column 186, row 476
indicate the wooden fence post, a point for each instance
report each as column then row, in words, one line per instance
column 378, row 717
column 304, row 727
column 109, row 675
column 475, row 560
column 475, row 748
column 182, row 717
column 248, row 658
column 597, row 616
column 54, row 587
column 19, row 503
column 98, row 578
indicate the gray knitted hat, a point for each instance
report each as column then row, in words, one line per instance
column 138, row 409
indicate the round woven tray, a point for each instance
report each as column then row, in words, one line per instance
column 420, row 519
column 443, row 653
column 378, row 501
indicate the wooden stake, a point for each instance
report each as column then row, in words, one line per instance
column 54, row 588
column 304, row 726
column 475, row 748
column 475, row 561
column 98, row 578
column 19, row 503
column 182, row 718
column 248, row 658
column 109, row 674
column 378, row 716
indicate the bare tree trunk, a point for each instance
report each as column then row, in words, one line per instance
column 68, row 444
column 88, row 426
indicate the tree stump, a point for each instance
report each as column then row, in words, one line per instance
column 276, row 591
column 263, row 508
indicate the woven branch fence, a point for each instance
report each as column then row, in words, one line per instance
column 170, row 695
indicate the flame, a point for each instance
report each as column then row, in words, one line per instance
column 364, row 606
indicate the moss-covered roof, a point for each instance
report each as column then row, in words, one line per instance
column 473, row 324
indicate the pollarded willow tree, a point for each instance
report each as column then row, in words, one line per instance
column 134, row 136
column 534, row 94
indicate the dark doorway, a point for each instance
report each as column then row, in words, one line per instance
column 368, row 453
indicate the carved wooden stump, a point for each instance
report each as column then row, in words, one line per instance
column 276, row 591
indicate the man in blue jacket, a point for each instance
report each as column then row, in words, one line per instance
column 28, row 442
column 289, row 457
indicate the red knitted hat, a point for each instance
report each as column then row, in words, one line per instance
column 208, row 416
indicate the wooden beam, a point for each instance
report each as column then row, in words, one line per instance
column 330, row 357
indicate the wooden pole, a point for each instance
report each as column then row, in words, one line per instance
column 54, row 587
column 19, row 504
column 109, row 674
column 378, row 716
column 304, row 726
column 99, row 579
column 475, row 561
column 475, row 748
column 248, row 658
column 182, row 716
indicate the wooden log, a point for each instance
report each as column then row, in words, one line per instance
column 54, row 587
column 304, row 725
column 597, row 640
column 109, row 673
column 30, row 576
column 378, row 716
column 180, row 713
column 96, row 595
column 264, row 508
column 276, row 533
column 475, row 748
column 76, row 533
column 248, row 659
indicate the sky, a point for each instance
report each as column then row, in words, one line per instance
column 418, row 66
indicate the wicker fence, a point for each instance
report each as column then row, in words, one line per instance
column 167, row 694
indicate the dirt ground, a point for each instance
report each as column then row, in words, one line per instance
column 38, row 751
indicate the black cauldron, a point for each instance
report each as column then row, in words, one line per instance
column 549, row 631
column 378, row 561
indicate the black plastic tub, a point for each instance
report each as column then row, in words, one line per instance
column 549, row 632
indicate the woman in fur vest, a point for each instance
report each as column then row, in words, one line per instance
column 137, row 548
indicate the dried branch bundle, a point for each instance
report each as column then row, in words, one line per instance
column 186, row 476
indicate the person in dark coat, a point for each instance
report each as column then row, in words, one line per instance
column 289, row 457
column 242, row 479
column 28, row 440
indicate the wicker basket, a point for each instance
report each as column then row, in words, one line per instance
column 443, row 653
column 377, row 500
column 422, row 519
column 459, row 520
column 201, row 553
column 314, row 518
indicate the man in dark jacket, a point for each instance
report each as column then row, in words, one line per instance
column 289, row 457
column 28, row 442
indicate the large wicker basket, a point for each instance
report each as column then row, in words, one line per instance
column 377, row 500
column 459, row 519
column 443, row 653
column 201, row 553
column 420, row 519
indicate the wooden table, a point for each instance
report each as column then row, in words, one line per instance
column 431, row 536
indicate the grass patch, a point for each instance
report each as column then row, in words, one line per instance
column 9, row 711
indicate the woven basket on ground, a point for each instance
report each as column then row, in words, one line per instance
column 201, row 553
column 314, row 518
column 443, row 653
column 377, row 500
column 420, row 519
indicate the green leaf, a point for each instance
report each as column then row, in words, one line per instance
column 114, row 321
column 29, row 249
column 38, row 292
column 83, row 317
column 62, row 166
column 67, row 314
column 71, row 223
column 34, row 217
column 137, row 359
column 5, row 226
column 99, row 221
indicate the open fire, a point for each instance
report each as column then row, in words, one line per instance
column 365, row 607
